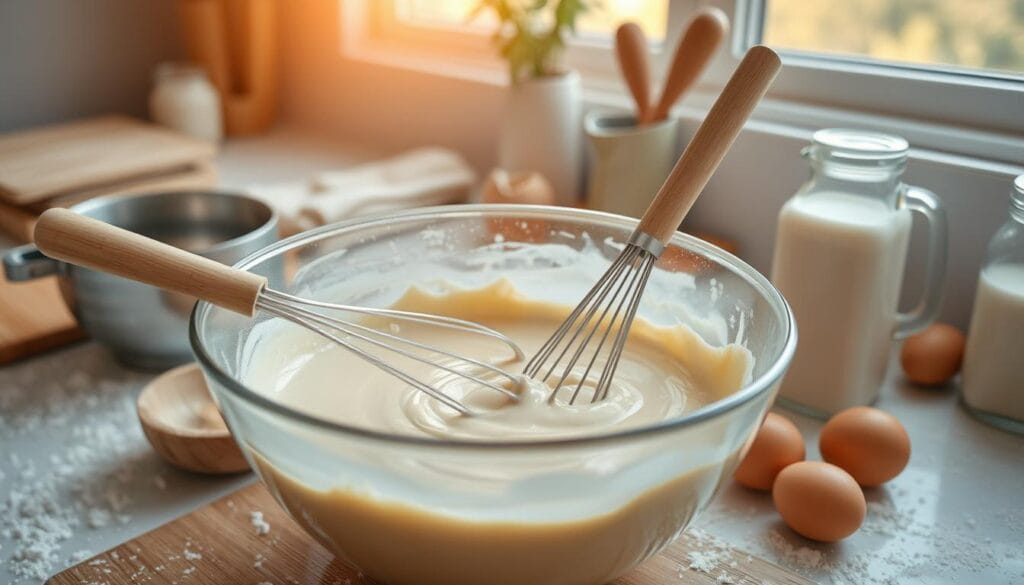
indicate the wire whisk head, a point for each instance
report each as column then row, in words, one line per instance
column 375, row 345
column 589, row 343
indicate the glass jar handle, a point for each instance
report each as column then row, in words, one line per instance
column 930, row 206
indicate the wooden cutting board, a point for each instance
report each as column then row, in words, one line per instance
column 218, row 545
column 18, row 221
column 66, row 158
column 33, row 318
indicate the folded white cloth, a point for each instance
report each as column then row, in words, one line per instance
column 425, row 176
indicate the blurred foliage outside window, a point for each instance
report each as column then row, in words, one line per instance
column 977, row 34
column 974, row 34
column 597, row 22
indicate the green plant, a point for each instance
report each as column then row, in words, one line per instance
column 531, row 36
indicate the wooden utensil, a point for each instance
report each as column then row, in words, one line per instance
column 631, row 49
column 693, row 54
column 227, row 548
column 182, row 423
column 711, row 142
column 83, row 241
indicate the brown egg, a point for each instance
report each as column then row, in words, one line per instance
column 529, row 188
column 777, row 444
column 933, row 356
column 819, row 500
column 870, row 444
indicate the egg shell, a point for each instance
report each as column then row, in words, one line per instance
column 870, row 444
column 934, row 355
column 819, row 500
column 778, row 443
column 526, row 188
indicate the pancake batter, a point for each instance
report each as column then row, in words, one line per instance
column 664, row 373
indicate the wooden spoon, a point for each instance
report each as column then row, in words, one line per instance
column 693, row 54
column 182, row 423
column 631, row 48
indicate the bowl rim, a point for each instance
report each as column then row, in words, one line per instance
column 755, row 388
column 255, row 232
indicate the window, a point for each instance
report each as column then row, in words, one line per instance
column 908, row 66
column 946, row 74
column 980, row 36
column 596, row 24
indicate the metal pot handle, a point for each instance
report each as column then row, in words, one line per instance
column 27, row 263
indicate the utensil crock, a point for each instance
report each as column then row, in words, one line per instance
column 628, row 163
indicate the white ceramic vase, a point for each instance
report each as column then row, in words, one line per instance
column 541, row 132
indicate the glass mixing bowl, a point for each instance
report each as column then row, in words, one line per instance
column 419, row 510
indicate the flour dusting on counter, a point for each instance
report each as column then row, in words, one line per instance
column 77, row 475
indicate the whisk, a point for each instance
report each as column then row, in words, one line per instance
column 611, row 305
column 83, row 241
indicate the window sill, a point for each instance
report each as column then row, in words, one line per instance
column 938, row 143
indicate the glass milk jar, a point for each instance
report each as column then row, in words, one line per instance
column 993, row 374
column 840, row 251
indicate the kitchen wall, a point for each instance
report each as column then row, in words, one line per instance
column 383, row 106
column 61, row 59
column 396, row 108
column 67, row 58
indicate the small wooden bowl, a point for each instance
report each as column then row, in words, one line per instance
column 182, row 423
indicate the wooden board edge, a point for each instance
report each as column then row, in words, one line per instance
column 735, row 566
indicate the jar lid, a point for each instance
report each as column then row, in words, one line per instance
column 845, row 142
column 859, row 146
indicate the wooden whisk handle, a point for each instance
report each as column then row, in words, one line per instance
column 709, row 145
column 67, row 236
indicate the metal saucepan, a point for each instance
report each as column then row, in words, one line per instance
column 144, row 326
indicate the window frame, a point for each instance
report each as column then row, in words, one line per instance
column 956, row 113
column 920, row 93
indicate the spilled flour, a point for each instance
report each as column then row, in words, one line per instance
column 92, row 469
column 902, row 540
column 75, row 468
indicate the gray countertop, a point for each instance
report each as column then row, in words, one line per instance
column 77, row 476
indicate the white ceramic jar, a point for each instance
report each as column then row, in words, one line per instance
column 628, row 163
column 184, row 99
column 540, row 132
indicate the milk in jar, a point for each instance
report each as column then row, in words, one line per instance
column 840, row 251
column 993, row 372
